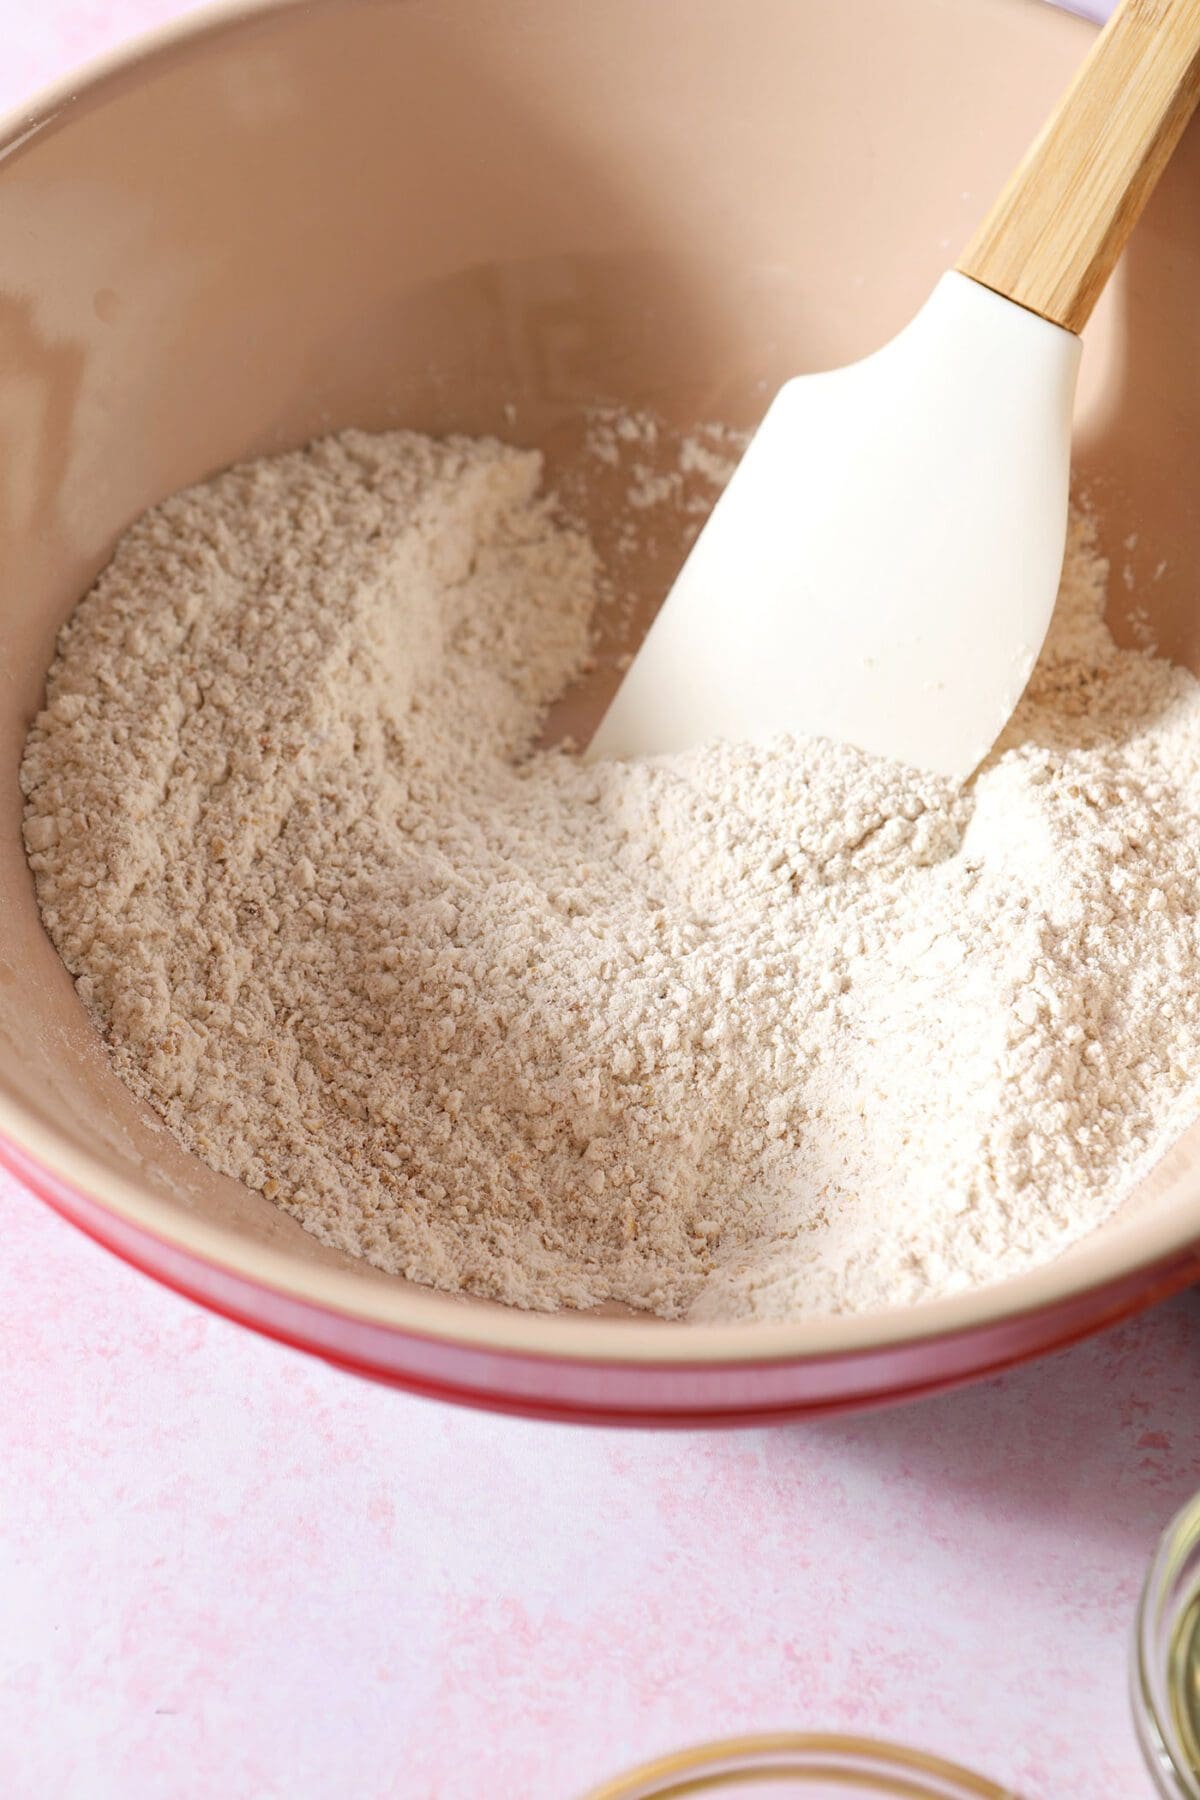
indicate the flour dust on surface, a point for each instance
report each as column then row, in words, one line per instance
column 745, row 1032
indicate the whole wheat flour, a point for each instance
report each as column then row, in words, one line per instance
column 741, row 1032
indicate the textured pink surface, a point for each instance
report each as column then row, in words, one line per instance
column 225, row 1569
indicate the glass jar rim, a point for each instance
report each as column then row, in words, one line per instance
column 1169, row 1599
column 867, row 1766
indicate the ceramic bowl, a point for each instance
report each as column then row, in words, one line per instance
column 490, row 215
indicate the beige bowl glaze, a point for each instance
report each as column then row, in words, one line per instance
column 269, row 224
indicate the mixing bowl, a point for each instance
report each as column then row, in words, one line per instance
column 491, row 215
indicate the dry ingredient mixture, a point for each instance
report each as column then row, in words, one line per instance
column 742, row 1032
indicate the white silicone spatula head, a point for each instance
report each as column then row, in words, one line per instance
column 883, row 565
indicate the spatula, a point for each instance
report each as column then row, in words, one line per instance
column 882, row 567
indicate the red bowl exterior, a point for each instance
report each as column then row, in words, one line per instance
column 702, row 1390
column 609, row 1393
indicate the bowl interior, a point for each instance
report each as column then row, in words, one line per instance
column 492, row 215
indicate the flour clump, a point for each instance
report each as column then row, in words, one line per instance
column 745, row 1032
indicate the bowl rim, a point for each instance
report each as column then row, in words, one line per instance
column 1123, row 1250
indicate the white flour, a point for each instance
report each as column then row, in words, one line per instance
column 742, row 1032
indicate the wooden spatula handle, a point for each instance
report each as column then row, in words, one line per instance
column 1053, row 236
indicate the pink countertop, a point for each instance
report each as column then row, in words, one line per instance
column 226, row 1570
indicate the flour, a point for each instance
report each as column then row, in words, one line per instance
column 743, row 1032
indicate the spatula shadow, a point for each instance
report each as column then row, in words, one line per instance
column 1137, row 444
